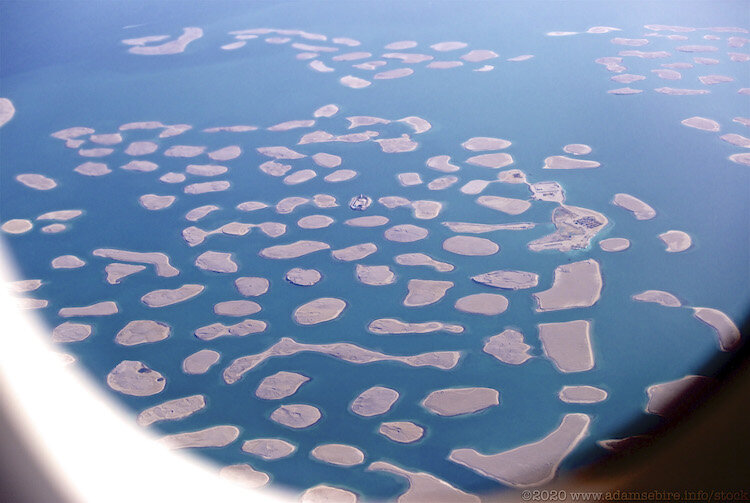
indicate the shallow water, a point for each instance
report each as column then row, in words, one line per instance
column 557, row 98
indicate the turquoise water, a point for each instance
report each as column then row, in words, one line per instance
column 58, row 78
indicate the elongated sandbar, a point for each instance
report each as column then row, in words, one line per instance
column 532, row 464
column 345, row 351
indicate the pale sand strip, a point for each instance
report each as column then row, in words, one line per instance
column 351, row 353
column 172, row 410
column 532, row 464
column 568, row 345
column 424, row 487
column 215, row 436
column 460, row 401
column 578, row 284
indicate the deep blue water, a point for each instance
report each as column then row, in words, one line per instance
column 76, row 73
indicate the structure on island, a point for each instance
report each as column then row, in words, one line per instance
column 360, row 202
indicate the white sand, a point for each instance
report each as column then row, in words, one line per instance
column 667, row 74
column 470, row 246
column 577, row 149
column 251, row 286
column 508, row 347
column 159, row 260
column 508, row 279
column 175, row 46
column 529, row 465
column 418, row 124
column 714, row 79
column 338, row 454
column 92, row 169
column 341, row 175
column 230, row 129
column 244, row 475
column 614, row 244
column 105, row 308
column 577, row 284
column 680, row 92
column 505, row 204
column 477, row 55
column 658, row 297
column 269, row 448
column 324, row 201
column 403, row 432
column 293, row 250
column 53, row 228
column 314, row 222
column 424, row 487
column 375, row 275
column 95, row 152
column 326, row 160
column 71, row 332
column 280, row 385
column 442, row 182
column 582, row 394
column 136, row 379
column 17, row 226
column 676, row 241
column 23, row 286
column 215, row 436
column 236, row 308
column 116, row 272
column 736, row 139
column 296, row 415
column 391, row 326
column 172, row 177
column 397, row 145
column 625, row 91
column 369, row 221
column 442, row 163
column 142, row 166
column 184, row 151
column 489, row 304
column 394, row 74
column 303, row 277
column 251, row 206
column 401, row 45
column 351, row 353
column 206, row 187
column 172, row 410
column 444, row 65
column 563, row 162
column 423, row 292
column 167, row 297
column 568, row 345
column 328, row 494
column 142, row 332
column 154, row 202
column 460, row 401
column 481, row 143
column 664, row 396
column 493, row 161
column 36, row 181
column 354, row 82
column 408, row 58
column 200, row 362
column 67, row 262
column 374, row 401
column 417, row 259
column 300, row 176
column 7, row 111
column 640, row 210
column 354, row 252
column 274, row 168
column 62, row 215
column 205, row 169
column 241, row 329
column 627, row 78
column 319, row 311
column 740, row 159
column 216, row 262
column 319, row 66
column 280, row 153
column 725, row 329
column 425, row 210
column 405, row 233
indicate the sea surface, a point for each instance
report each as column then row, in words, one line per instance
column 63, row 65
